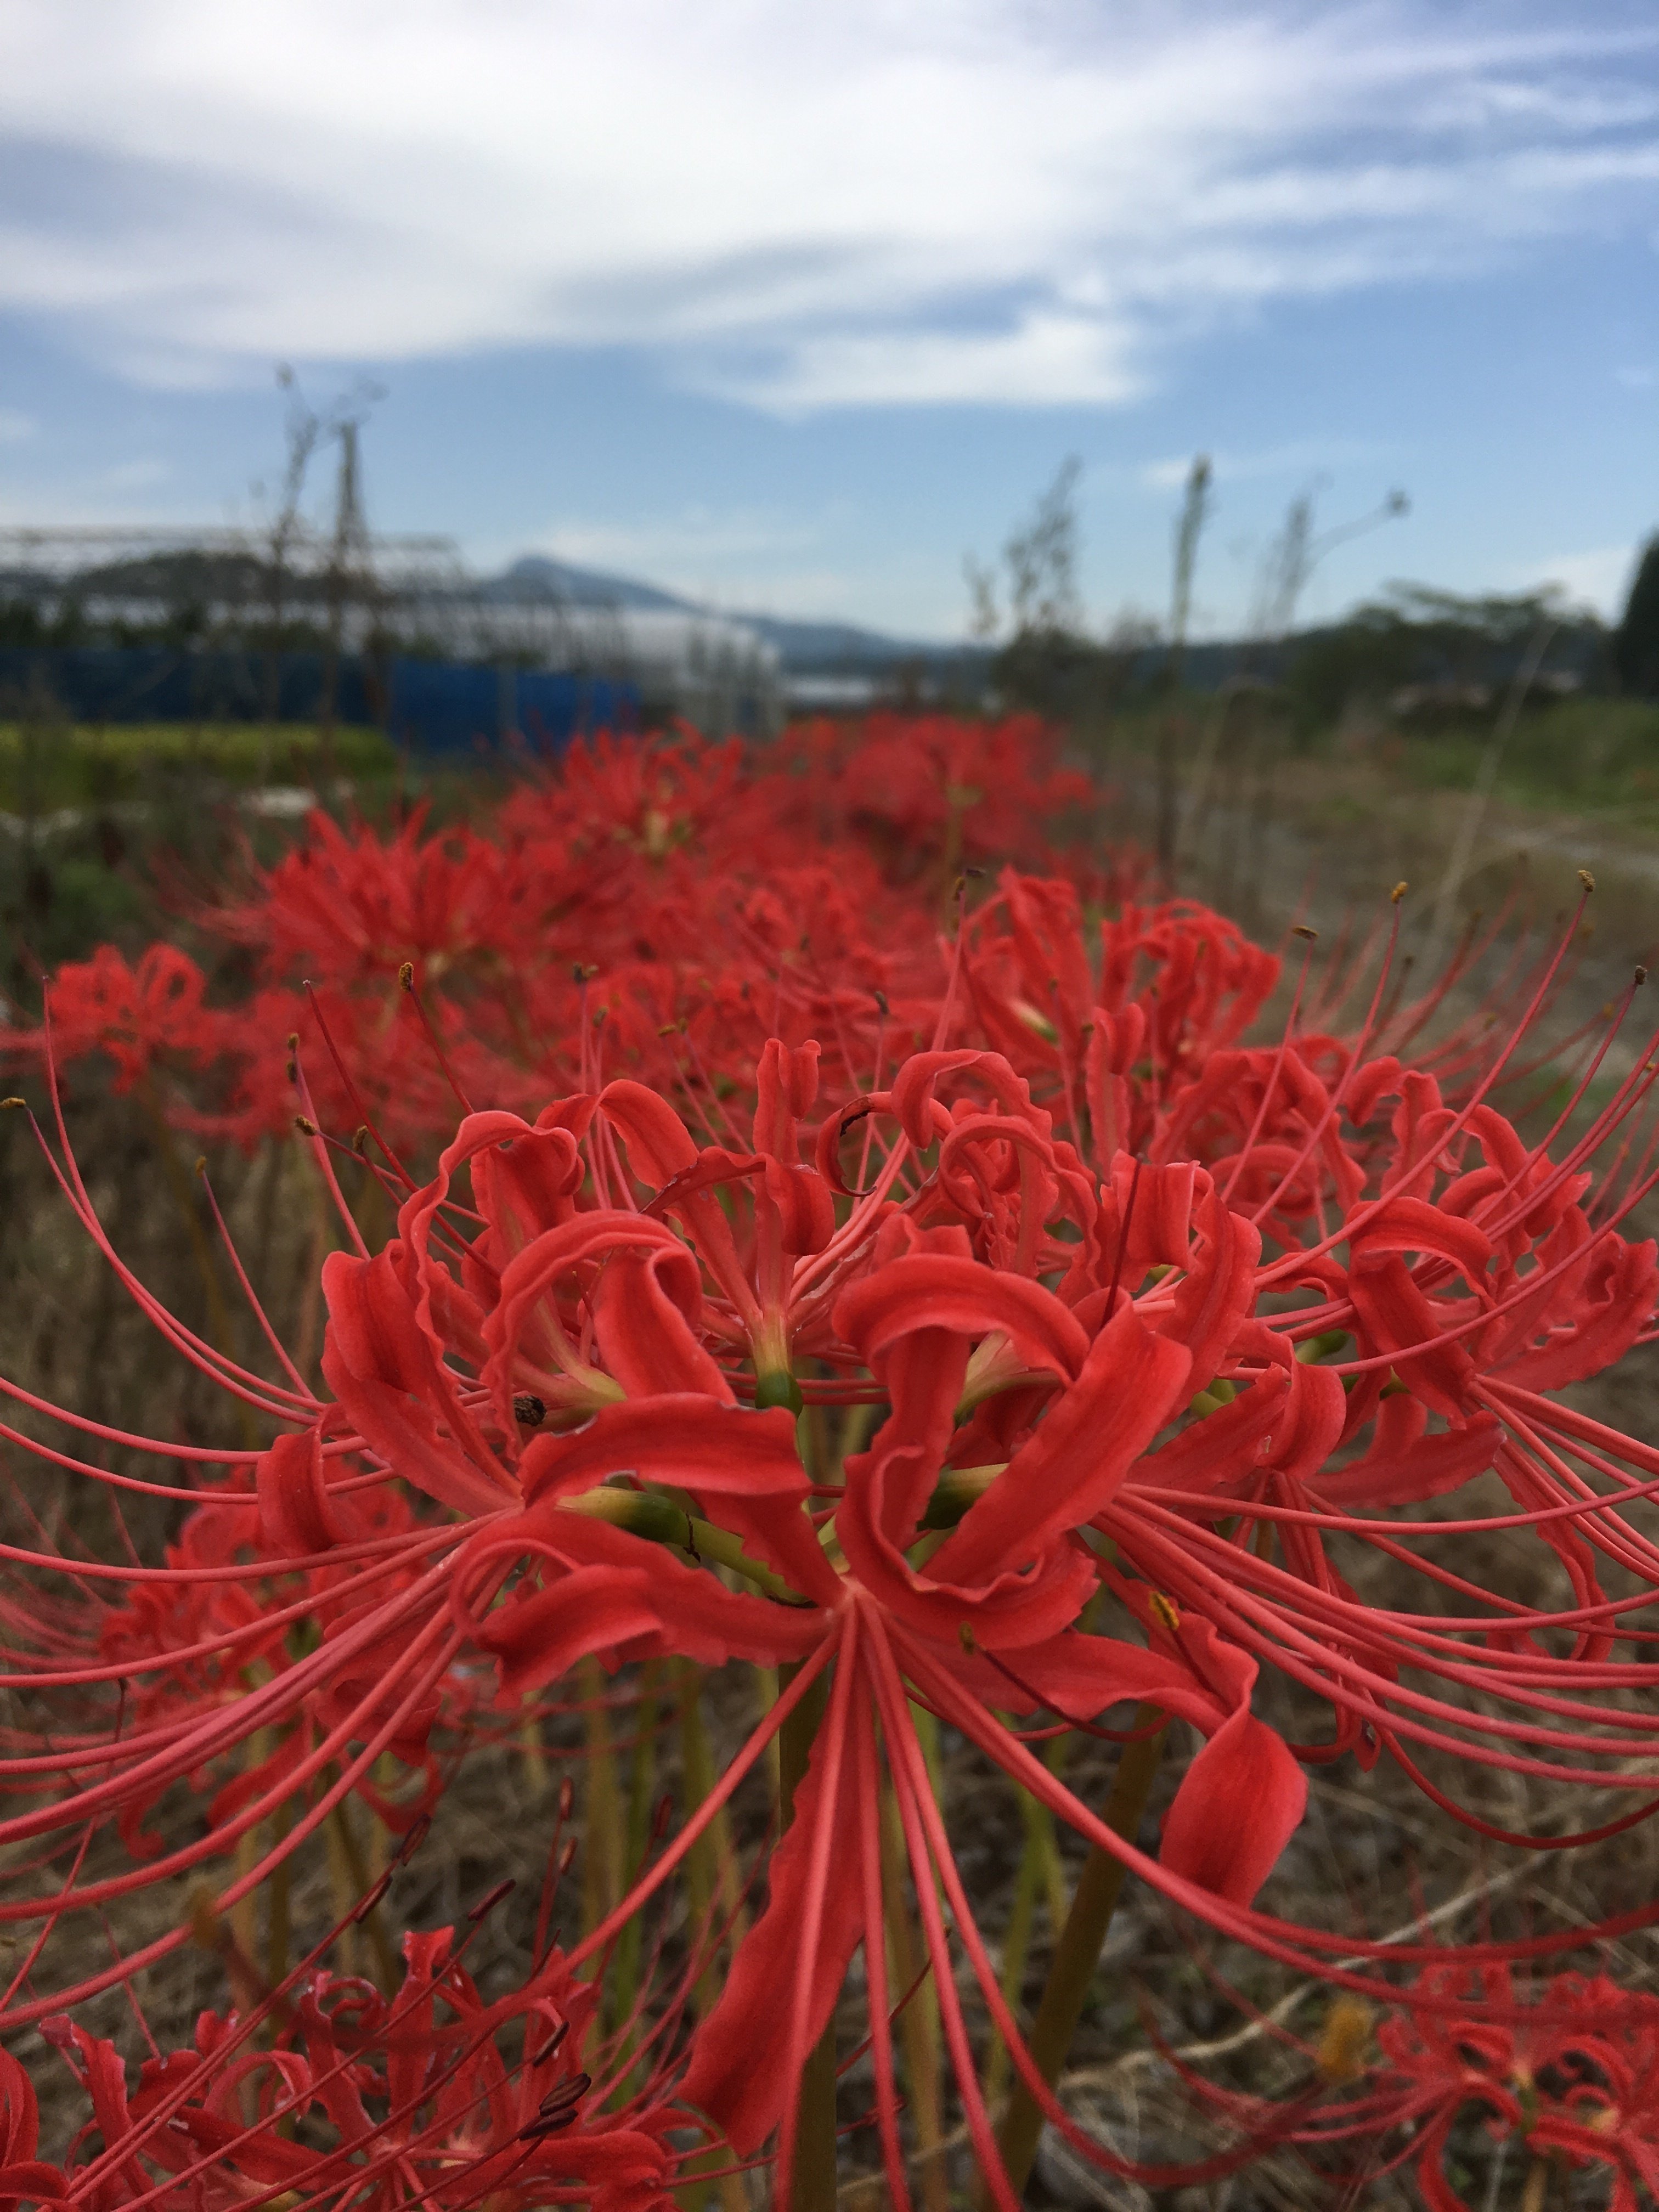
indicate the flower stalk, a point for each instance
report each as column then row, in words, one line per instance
column 919, row 2023
column 1078, row 1952
column 811, row 2181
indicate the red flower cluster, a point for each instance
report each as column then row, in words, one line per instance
column 324, row 2091
column 1025, row 1348
column 678, row 900
column 1478, row 2068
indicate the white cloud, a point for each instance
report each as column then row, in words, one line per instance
column 742, row 558
column 1045, row 360
column 136, row 476
column 890, row 201
column 1598, row 578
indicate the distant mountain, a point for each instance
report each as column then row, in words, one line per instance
column 819, row 647
column 533, row 576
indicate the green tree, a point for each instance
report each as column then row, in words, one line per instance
column 1635, row 641
column 1046, row 656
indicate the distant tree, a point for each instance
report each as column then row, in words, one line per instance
column 1041, row 562
column 1417, row 634
column 20, row 624
column 1635, row 641
column 1045, row 654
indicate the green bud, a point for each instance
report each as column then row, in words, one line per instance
column 957, row 1489
column 778, row 1388
column 1320, row 1348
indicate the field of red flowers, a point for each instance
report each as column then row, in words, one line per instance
column 814, row 1496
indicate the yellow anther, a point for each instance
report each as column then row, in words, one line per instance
column 965, row 1636
column 1165, row 1611
column 1301, row 929
column 305, row 1126
column 406, row 976
column 1344, row 2040
column 1587, row 880
column 1398, row 893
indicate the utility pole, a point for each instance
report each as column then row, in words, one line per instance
column 304, row 427
column 349, row 564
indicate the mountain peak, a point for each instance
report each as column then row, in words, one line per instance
column 820, row 646
column 537, row 576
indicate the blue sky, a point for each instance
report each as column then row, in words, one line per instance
column 792, row 307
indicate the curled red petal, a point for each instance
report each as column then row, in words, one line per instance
column 295, row 1513
column 1131, row 1383
column 937, row 1290
column 746, row 1460
column 1239, row 1803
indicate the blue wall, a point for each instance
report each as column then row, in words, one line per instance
column 434, row 706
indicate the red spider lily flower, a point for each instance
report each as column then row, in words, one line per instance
column 602, row 1310
column 22, row 2176
column 211, row 1627
column 554, row 1297
column 139, row 1015
column 1135, row 1045
column 1562, row 2070
column 555, row 1370
column 1567, row 2065
column 1554, row 1300
column 357, row 905
column 1007, row 1585
column 672, row 875
column 1106, row 1039
column 933, row 792
column 325, row 2094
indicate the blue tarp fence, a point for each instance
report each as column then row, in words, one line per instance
column 427, row 706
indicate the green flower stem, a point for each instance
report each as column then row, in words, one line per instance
column 696, row 1782
column 813, row 2181
column 712, row 1880
column 625, row 1966
column 919, row 2023
column 646, row 1513
column 1016, row 1947
column 1040, row 1875
column 1076, row 1954
column 531, row 1751
column 359, row 1881
column 279, row 1930
column 603, row 1831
